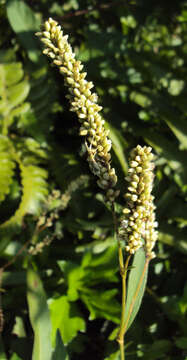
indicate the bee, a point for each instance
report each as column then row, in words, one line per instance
column 94, row 166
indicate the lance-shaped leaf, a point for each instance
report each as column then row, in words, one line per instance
column 136, row 286
column 119, row 144
column 39, row 317
column 60, row 350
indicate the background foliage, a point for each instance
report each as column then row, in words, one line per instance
column 59, row 267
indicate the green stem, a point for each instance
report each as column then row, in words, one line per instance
column 122, row 352
column 123, row 272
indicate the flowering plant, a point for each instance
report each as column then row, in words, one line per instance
column 136, row 234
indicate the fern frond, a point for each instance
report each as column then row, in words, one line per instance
column 35, row 190
column 14, row 90
column 7, row 165
column 37, row 121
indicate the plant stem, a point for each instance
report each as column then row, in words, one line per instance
column 123, row 272
column 122, row 352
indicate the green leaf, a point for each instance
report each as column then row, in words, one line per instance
column 169, row 233
column 73, row 274
column 158, row 350
column 179, row 128
column 66, row 318
column 35, row 190
column 89, row 272
column 39, row 317
column 165, row 201
column 14, row 278
column 20, row 110
column 94, row 269
column 2, row 350
column 7, row 165
column 181, row 343
column 118, row 144
column 176, row 86
column 18, row 93
column 3, row 357
column 101, row 304
column 25, row 23
column 13, row 73
column 15, row 357
column 176, row 159
column 137, row 274
column 60, row 350
column 140, row 99
column 13, row 91
column 113, row 335
column 114, row 356
column 19, row 328
column 101, row 261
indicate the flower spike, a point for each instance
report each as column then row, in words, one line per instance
column 84, row 102
column 137, row 227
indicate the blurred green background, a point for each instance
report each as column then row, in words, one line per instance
column 57, row 249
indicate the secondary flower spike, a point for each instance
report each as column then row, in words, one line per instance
column 84, row 103
column 138, row 226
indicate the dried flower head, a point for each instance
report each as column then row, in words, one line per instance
column 84, row 103
column 138, row 225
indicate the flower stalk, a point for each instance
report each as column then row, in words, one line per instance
column 137, row 228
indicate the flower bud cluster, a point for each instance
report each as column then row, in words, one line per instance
column 137, row 227
column 39, row 247
column 84, row 103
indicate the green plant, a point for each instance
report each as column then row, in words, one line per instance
column 63, row 236
column 24, row 153
column 136, row 231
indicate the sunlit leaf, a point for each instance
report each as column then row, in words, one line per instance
column 7, row 165
column 114, row 356
column 39, row 317
column 60, row 350
column 66, row 318
column 135, row 292
column 25, row 23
